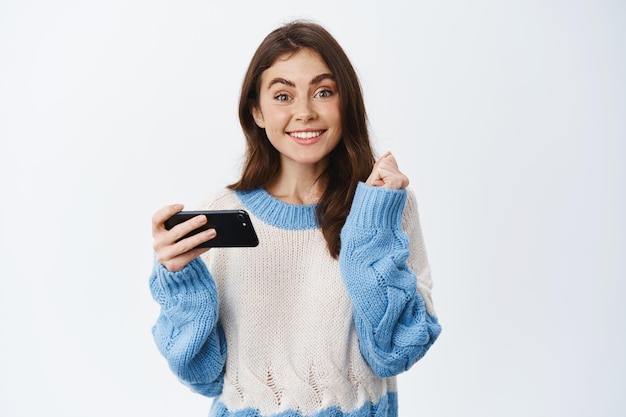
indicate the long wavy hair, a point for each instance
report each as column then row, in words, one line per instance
column 352, row 159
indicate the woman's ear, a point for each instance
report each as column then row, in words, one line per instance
column 258, row 116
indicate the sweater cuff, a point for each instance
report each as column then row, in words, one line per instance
column 192, row 278
column 374, row 207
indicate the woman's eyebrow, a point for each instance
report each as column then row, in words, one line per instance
column 315, row 80
column 281, row 81
column 322, row 77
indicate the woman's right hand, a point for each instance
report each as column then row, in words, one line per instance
column 170, row 252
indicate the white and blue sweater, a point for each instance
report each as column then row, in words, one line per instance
column 284, row 329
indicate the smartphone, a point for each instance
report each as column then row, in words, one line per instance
column 234, row 228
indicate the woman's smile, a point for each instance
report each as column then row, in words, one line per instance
column 307, row 137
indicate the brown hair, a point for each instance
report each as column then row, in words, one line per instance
column 352, row 159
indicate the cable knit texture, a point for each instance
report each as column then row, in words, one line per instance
column 283, row 329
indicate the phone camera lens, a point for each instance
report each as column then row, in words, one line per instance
column 240, row 217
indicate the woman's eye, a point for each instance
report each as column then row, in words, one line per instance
column 325, row 93
column 281, row 97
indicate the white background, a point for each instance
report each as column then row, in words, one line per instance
column 507, row 116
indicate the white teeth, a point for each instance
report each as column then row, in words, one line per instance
column 305, row 135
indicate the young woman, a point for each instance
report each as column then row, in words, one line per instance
column 335, row 301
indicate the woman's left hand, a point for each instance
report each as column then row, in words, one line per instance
column 387, row 174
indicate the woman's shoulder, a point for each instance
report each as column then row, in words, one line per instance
column 222, row 199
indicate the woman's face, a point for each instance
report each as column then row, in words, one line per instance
column 299, row 108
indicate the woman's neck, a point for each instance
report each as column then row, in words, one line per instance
column 297, row 186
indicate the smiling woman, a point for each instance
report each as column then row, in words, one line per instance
column 299, row 108
column 335, row 301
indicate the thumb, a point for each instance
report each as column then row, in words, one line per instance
column 375, row 177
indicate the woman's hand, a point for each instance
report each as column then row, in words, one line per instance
column 172, row 254
column 386, row 174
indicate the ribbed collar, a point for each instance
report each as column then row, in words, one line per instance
column 278, row 213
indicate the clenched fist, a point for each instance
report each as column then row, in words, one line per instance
column 387, row 174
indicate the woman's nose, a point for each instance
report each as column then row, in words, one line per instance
column 305, row 111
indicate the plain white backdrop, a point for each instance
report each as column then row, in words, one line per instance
column 508, row 117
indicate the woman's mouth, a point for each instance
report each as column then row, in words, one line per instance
column 308, row 137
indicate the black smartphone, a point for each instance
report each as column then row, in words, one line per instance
column 234, row 228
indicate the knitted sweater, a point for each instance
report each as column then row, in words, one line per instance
column 283, row 329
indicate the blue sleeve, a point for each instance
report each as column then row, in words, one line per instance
column 393, row 314
column 186, row 332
